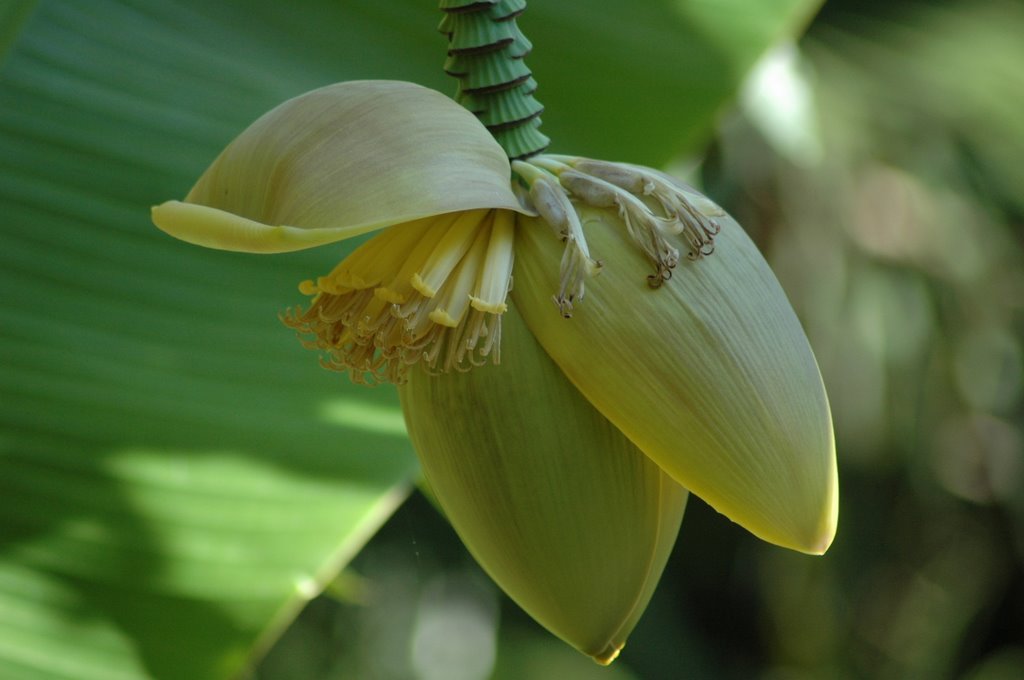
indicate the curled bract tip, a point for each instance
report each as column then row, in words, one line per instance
column 609, row 654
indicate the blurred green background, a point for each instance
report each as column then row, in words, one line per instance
column 179, row 481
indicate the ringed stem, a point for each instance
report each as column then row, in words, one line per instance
column 486, row 52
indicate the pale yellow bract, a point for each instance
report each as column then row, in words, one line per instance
column 563, row 461
column 339, row 162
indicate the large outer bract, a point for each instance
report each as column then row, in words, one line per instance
column 570, row 519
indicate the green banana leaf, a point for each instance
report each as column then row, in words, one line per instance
column 178, row 477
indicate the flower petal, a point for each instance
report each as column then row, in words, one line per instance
column 338, row 162
column 570, row 519
column 710, row 375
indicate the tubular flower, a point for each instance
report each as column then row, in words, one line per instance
column 559, row 435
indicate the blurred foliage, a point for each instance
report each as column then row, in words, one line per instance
column 13, row 14
column 878, row 163
column 901, row 246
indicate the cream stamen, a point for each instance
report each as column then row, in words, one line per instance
column 429, row 292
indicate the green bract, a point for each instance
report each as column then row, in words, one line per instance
column 560, row 444
column 559, row 507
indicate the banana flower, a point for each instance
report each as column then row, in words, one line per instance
column 560, row 435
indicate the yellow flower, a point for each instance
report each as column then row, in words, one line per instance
column 560, row 439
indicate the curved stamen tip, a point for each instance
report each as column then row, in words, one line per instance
column 650, row 207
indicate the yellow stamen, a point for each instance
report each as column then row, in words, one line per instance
column 492, row 283
column 405, row 264
column 451, row 310
column 458, row 327
column 370, row 263
column 429, row 292
column 447, row 253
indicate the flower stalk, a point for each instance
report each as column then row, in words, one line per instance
column 486, row 53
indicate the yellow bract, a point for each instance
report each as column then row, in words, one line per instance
column 338, row 162
column 710, row 374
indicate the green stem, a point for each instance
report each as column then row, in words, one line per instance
column 485, row 53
